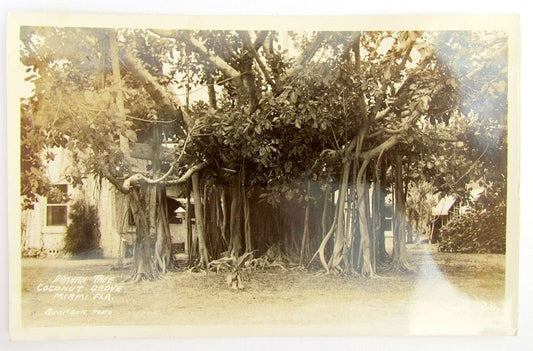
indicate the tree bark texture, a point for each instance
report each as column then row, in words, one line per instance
column 235, row 245
column 339, row 239
column 144, row 269
column 367, row 269
column 200, row 223
column 399, row 260
column 304, row 248
column 188, row 222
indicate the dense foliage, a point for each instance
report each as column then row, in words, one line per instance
column 83, row 234
column 481, row 230
column 32, row 167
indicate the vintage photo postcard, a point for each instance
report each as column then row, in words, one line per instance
column 262, row 176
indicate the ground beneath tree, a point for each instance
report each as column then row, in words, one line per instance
column 448, row 294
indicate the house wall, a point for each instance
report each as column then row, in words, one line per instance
column 111, row 207
column 37, row 235
column 32, row 228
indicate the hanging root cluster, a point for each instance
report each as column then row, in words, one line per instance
column 351, row 248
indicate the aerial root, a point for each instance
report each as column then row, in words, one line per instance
column 402, row 267
column 136, row 277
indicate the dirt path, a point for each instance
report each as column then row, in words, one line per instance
column 450, row 293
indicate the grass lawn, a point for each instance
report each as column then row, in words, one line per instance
column 448, row 294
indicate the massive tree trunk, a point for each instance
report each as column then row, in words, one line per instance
column 399, row 260
column 152, row 248
column 213, row 221
column 144, row 268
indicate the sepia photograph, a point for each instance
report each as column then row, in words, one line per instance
column 261, row 176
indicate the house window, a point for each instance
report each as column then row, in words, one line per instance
column 56, row 205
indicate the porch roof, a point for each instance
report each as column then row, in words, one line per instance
column 443, row 207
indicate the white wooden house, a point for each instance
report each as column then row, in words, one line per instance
column 44, row 227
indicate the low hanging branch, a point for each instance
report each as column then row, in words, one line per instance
column 125, row 186
column 138, row 177
column 113, row 180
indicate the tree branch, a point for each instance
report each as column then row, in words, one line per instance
column 381, row 148
column 472, row 166
column 311, row 50
column 164, row 33
column 138, row 177
column 158, row 92
column 260, row 39
column 252, row 49
column 187, row 175
column 382, row 114
column 222, row 65
column 113, row 180
column 392, row 140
